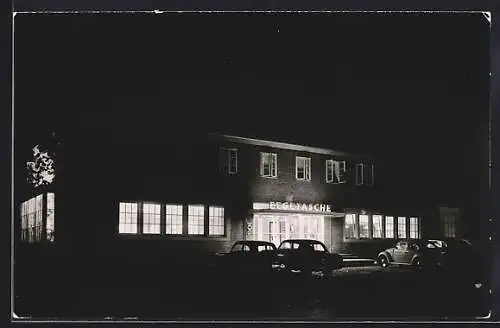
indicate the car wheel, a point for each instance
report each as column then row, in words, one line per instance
column 384, row 262
column 417, row 263
column 327, row 273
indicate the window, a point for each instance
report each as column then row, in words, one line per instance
column 319, row 248
column 173, row 216
column 237, row 247
column 350, row 226
column 389, row 227
column 268, row 165
column 360, row 174
column 370, row 174
column 335, row 171
column 24, row 221
column 377, row 226
column 414, row 233
column 449, row 226
column 31, row 220
column 365, row 174
column 38, row 217
column 262, row 248
column 403, row 245
column 50, row 225
column 128, row 218
column 401, row 227
column 32, row 217
column 228, row 160
column 196, row 219
column 286, row 245
column 151, row 218
column 363, row 226
column 303, row 168
column 216, row 221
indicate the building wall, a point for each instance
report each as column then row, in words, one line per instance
column 93, row 177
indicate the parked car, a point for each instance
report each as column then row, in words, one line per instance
column 247, row 256
column 417, row 253
column 307, row 257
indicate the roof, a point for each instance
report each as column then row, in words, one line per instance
column 283, row 145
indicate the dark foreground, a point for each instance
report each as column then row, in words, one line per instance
column 168, row 293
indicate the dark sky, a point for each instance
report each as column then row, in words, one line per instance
column 388, row 84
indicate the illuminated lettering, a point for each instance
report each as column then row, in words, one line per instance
column 305, row 207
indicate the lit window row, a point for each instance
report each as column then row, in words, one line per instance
column 149, row 219
column 364, row 226
column 335, row 171
column 33, row 217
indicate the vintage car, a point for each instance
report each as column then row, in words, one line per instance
column 246, row 256
column 305, row 256
column 417, row 253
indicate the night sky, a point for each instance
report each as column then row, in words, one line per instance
column 401, row 85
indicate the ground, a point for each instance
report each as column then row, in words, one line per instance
column 165, row 292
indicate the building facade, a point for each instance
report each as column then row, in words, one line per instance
column 200, row 195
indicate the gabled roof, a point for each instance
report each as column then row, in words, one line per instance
column 283, row 145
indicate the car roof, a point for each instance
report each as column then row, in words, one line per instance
column 303, row 241
column 254, row 242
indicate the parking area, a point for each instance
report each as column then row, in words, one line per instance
column 368, row 292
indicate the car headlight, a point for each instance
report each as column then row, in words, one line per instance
column 478, row 285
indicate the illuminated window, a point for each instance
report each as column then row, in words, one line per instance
column 303, row 168
column 228, row 160
column 363, row 226
column 350, row 226
column 401, row 227
column 313, row 227
column 449, row 226
column 38, row 217
column 414, row 233
column 389, row 227
column 32, row 219
column 24, row 221
column 151, row 218
column 173, row 215
column 268, row 165
column 335, row 171
column 128, row 218
column 377, row 226
column 216, row 221
column 51, row 211
column 196, row 219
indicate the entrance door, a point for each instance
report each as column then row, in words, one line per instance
column 277, row 227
